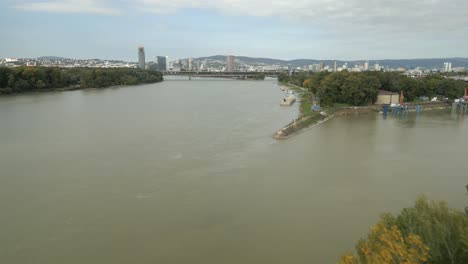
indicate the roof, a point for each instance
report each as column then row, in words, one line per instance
column 382, row 92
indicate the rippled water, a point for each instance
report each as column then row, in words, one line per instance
column 187, row 172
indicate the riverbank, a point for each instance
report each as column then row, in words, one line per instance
column 308, row 118
column 303, row 123
column 45, row 79
column 426, row 106
column 69, row 89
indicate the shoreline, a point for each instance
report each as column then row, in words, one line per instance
column 70, row 89
column 303, row 123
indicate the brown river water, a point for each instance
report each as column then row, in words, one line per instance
column 187, row 172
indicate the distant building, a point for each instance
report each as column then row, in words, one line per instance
column 162, row 63
column 176, row 65
column 321, row 66
column 366, row 66
column 141, row 57
column 334, row 66
column 11, row 60
column 447, row 66
column 230, row 63
column 190, row 64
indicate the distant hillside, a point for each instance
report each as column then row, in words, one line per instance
column 52, row 58
column 406, row 63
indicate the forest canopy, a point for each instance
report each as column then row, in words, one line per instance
column 24, row 79
column 361, row 88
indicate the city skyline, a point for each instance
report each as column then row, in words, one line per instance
column 285, row 30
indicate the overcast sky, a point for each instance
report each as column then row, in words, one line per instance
column 284, row 29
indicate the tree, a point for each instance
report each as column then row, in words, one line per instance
column 21, row 85
column 4, row 73
column 428, row 232
column 440, row 227
column 387, row 245
column 21, row 79
column 348, row 258
column 40, row 84
column 466, row 208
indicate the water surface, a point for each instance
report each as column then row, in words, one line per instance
column 187, row 172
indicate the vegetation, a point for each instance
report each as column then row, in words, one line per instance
column 259, row 76
column 24, row 79
column 429, row 232
column 361, row 88
column 466, row 208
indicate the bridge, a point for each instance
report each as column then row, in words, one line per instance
column 221, row 74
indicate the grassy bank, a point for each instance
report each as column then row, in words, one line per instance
column 306, row 117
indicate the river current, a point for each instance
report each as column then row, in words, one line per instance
column 187, row 172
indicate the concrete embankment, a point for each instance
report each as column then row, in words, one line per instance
column 300, row 125
column 304, row 123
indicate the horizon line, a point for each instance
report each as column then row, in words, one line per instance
column 243, row 56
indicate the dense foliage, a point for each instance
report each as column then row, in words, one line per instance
column 429, row 232
column 361, row 88
column 23, row 79
column 259, row 76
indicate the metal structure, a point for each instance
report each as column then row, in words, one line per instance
column 462, row 104
column 219, row 74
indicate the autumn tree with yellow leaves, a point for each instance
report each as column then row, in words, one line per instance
column 388, row 246
column 429, row 232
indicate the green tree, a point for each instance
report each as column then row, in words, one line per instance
column 40, row 84
column 21, row 79
column 428, row 232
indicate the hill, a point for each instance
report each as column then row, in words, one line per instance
column 392, row 63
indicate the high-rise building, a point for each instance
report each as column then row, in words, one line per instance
column 447, row 66
column 366, row 66
column 321, row 66
column 190, row 64
column 161, row 63
column 141, row 57
column 334, row 66
column 230, row 63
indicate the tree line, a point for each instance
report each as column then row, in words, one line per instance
column 429, row 232
column 362, row 88
column 24, row 79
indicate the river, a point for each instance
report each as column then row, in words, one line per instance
column 187, row 172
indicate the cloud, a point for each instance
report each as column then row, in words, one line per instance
column 396, row 16
column 70, row 6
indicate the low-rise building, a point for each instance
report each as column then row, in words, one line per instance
column 386, row 97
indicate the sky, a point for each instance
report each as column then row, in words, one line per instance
column 281, row 29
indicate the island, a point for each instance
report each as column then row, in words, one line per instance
column 36, row 79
